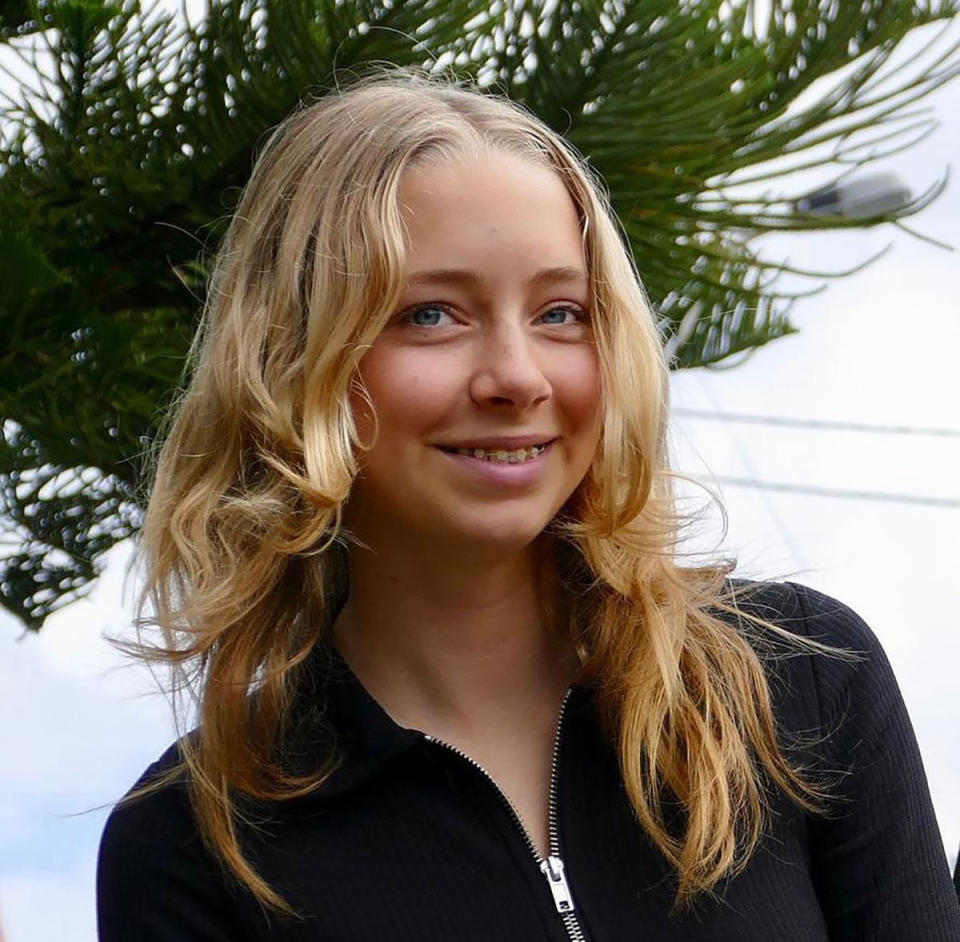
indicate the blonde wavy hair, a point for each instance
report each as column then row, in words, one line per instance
column 243, row 545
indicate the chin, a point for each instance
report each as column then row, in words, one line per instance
column 507, row 536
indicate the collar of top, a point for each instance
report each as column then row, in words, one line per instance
column 333, row 715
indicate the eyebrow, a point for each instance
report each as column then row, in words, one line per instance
column 472, row 279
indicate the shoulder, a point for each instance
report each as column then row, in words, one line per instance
column 155, row 877
column 807, row 616
column 876, row 857
column 143, row 812
column 846, row 678
column 805, row 612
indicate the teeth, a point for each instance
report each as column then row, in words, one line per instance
column 510, row 457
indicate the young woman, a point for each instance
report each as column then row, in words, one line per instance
column 411, row 544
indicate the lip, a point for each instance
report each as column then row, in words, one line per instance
column 503, row 442
column 500, row 474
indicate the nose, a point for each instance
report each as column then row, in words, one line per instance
column 508, row 372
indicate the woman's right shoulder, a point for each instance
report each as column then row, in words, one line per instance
column 157, row 801
column 155, row 877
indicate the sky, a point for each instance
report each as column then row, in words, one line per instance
column 878, row 348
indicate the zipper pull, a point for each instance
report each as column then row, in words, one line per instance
column 552, row 869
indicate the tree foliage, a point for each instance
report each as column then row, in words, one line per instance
column 126, row 133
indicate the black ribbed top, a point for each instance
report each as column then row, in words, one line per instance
column 409, row 841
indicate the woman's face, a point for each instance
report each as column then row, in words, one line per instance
column 486, row 381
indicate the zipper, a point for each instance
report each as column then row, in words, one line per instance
column 550, row 866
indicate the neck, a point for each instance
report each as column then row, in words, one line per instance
column 443, row 642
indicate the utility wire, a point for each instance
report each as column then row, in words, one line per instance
column 885, row 496
column 786, row 533
column 785, row 421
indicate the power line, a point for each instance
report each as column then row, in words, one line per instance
column 813, row 491
column 787, row 422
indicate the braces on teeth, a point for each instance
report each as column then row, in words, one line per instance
column 512, row 457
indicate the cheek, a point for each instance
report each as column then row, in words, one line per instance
column 582, row 390
column 406, row 394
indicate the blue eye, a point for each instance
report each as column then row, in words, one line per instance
column 562, row 311
column 427, row 315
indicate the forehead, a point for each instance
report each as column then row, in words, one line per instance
column 498, row 209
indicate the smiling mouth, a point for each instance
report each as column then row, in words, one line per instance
column 502, row 455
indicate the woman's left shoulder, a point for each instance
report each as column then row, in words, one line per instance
column 846, row 673
column 876, row 855
column 806, row 613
